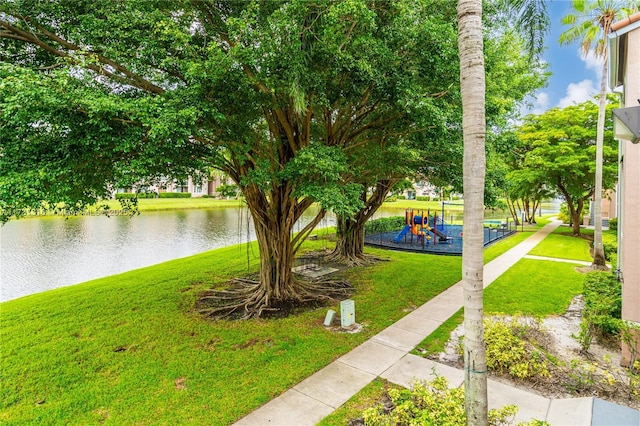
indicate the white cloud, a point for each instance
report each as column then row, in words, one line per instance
column 591, row 62
column 535, row 104
column 578, row 93
column 541, row 103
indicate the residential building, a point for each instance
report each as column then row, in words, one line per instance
column 197, row 188
column 624, row 70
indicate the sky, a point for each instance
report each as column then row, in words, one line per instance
column 574, row 79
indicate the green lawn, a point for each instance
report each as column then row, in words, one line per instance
column 129, row 349
column 561, row 244
column 155, row 204
column 534, row 287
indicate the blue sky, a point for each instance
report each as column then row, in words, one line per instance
column 574, row 79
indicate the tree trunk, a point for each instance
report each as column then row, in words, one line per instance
column 349, row 247
column 574, row 212
column 472, row 80
column 536, row 204
column 512, row 210
column 527, row 210
column 350, row 243
column 274, row 218
column 598, row 248
column 276, row 261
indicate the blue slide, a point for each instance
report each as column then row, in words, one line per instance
column 398, row 238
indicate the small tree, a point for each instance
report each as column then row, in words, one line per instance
column 559, row 144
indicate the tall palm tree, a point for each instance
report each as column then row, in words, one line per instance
column 590, row 24
column 532, row 19
column 472, row 89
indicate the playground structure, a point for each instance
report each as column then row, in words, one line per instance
column 420, row 226
column 429, row 233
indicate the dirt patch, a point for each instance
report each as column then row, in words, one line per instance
column 601, row 375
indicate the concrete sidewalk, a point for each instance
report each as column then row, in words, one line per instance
column 387, row 355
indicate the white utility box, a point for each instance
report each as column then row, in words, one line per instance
column 347, row 313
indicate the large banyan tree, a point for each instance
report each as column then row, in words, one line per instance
column 425, row 140
column 283, row 96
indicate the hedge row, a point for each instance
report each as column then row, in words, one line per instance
column 131, row 195
column 384, row 224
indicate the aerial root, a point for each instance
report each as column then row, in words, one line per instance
column 352, row 260
column 249, row 299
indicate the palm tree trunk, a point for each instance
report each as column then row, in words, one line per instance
column 472, row 81
column 598, row 248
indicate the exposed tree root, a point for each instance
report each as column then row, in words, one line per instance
column 353, row 260
column 249, row 299
column 595, row 267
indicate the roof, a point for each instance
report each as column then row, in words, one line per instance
column 626, row 21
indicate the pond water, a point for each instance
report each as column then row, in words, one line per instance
column 39, row 254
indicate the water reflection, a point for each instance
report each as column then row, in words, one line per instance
column 39, row 254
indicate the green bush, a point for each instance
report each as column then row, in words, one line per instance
column 401, row 197
column 429, row 403
column 566, row 218
column 509, row 351
column 435, row 199
column 613, row 224
column 384, row 224
column 174, row 195
column 610, row 245
column 423, row 198
column 132, row 195
column 602, row 313
column 391, row 199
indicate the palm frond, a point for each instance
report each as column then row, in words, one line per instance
column 533, row 23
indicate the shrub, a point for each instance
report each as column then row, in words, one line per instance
column 401, row 197
column 384, row 224
column 423, row 198
column 429, row 403
column 175, row 195
column 510, row 352
column 613, row 224
column 566, row 218
column 601, row 379
column 610, row 245
column 601, row 317
column 391, row 199
column 132, row 195
column 435, row 199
